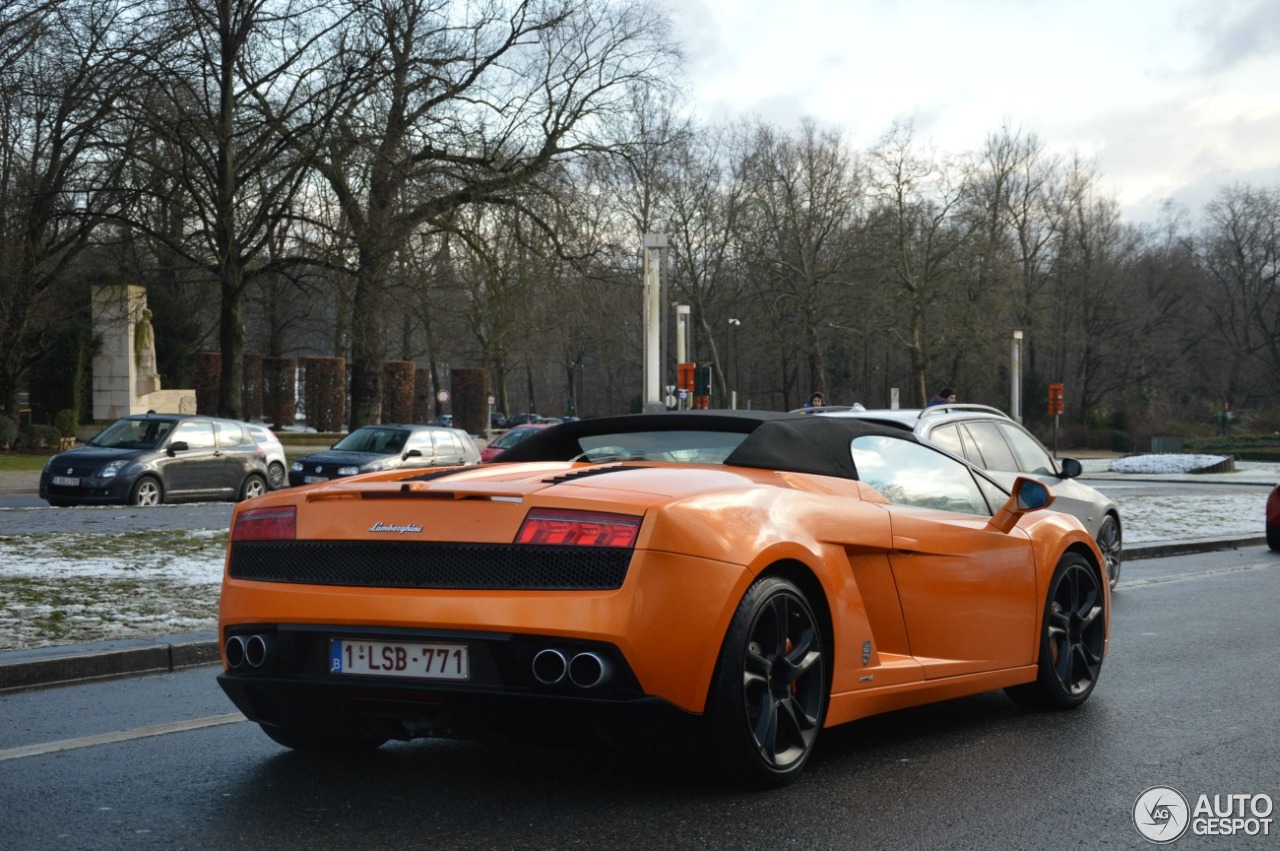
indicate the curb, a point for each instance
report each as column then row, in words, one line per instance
column 1163, row 549
column 77, row 663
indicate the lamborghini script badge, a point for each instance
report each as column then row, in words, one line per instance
column 398, row 528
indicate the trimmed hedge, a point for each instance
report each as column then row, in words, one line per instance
column 324, row 387
column 279, row 391
column 398, row 391
column 251, row 397
column 208, row 381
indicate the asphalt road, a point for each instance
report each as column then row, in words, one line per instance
column 1187, row 699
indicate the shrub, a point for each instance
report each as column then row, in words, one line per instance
column 41, row 437
column 1121, row 441
column 65, row 422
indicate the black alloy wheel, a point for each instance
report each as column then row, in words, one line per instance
column 769, row 694
column 1072, row 640
column 1109, row 542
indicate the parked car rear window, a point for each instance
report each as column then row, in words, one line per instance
column 1033, row 457
column 996, row 454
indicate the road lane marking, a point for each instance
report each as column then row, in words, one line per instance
column 1199, row 574
column 121, row 736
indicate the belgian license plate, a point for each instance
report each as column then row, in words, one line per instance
column 399, row 659
column 311, row 480
column 67, row 481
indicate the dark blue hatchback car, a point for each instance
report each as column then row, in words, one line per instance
column 154, row 458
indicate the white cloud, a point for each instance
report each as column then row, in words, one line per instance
column 1173, row 99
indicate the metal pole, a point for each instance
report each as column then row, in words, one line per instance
column 654, row 243
column 682, row 337
column 734, row 325
column 1015, row 379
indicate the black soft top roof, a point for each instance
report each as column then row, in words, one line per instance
column 796, row 443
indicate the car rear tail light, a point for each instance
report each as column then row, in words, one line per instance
column 578, row 529
column 266, row 524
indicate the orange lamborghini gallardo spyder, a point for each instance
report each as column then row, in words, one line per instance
column 718, row 584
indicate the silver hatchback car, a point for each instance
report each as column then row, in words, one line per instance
column 990, row 439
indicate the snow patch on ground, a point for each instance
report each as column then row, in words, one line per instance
column 1165, row 463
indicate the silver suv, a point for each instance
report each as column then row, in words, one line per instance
column 992, row 441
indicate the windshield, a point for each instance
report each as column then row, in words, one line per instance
column 690, row 447
column 380, row 441
column 133, row 434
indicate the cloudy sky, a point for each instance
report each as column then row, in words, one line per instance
column 1171, row 98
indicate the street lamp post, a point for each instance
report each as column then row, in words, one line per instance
column 734, row 325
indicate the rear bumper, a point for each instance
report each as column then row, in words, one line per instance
column 502, row 702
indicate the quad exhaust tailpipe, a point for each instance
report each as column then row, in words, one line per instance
column 585, row 670
column 249, row 651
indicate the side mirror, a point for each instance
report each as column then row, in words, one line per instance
column 1031, row 494
column 412, row 453
column 1070, row 468
column 177, row 446
column 1028, row 495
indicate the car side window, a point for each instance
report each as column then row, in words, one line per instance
column 419, row 440
column 230, row 434
column 907, row 473
column 996, row 454
column 448, row 444
column 197, row 433
column 948, row 437
column 1034, row 457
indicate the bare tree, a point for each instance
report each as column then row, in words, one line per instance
column 59, row 78
column 917, row 227
column 231, row 90
column 466, row 103
column 802, row 199
column 1241, row 251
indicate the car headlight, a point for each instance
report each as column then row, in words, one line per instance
column 295, row 467
column 109, row 471
column 348, row 470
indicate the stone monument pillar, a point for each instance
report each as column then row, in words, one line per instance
column 125, row 380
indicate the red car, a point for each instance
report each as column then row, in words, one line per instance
column 510, row 438
column 1273, row 519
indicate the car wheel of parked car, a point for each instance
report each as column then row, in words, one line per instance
column 1072, row 638
column 1273, row 536
column 1109, row 542
column 768, row 697
column 320, row 743
column 254, row 485
column 275, row 473
column 146, row 491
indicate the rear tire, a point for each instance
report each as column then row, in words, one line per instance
column 275, row 474
column 1073, row 636
column 254, row 485
column 769, row 693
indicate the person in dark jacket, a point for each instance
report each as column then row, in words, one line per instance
column 946, row 396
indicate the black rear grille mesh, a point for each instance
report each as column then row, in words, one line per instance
column 398, row 564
